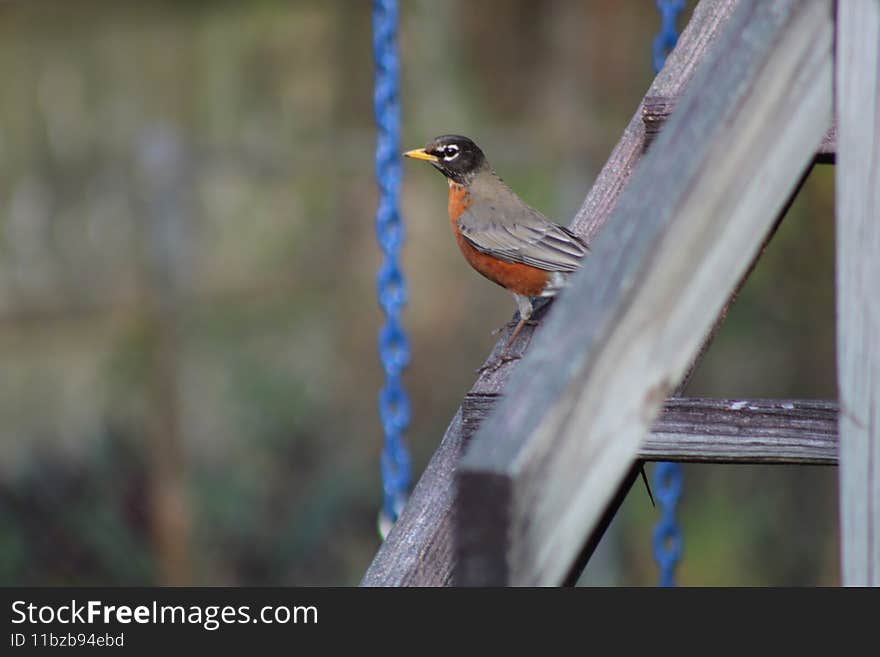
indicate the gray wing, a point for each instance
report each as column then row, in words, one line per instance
column 529, row 239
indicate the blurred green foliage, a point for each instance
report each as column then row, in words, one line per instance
column 187, row 262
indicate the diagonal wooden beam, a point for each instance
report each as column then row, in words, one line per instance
column 858, row 287
column 541, row 470
column 419, row 550
column 617, row 500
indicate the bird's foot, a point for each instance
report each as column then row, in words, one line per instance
column 496, row 363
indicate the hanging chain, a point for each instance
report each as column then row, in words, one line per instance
column 394, row 407
column 668, row 483
column 668, row 477
column 666, row 39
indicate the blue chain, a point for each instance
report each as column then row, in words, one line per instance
column 668, row 483
column 394, row 408
column 666, row 39
column 668, row 477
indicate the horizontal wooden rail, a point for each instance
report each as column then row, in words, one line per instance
column 656, row 110
column 752, row 431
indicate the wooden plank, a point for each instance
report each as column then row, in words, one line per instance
column 617, row 499
column 546, row 463
column 858, row 287
column 752, row 431
column 418, row 551
column 656, row 111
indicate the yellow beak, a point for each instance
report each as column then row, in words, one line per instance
column 421, row 154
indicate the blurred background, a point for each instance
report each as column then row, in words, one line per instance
column 188, row 320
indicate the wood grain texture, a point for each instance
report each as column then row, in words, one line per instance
column 858, row 287
column 680, row 238
column 418, row 551
column 751, row 431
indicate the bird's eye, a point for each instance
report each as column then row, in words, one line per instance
column 450, row 152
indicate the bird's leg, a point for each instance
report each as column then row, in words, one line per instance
column 511, row 324
column 512, row 338
column 525, row 315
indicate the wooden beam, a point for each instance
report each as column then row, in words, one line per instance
column 656, row 111
column 419, row 550
column 751, row 431
column 543, row 467
column 611, row 510
column 858, row 287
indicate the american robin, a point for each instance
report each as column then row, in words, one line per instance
column 500, row 235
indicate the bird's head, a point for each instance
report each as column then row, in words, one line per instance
column 456, row 157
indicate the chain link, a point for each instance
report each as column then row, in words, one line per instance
column 394, row 351
column 666, row 39
column 667, row 543
column 668, row 477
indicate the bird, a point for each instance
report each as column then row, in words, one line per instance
column 500, row 235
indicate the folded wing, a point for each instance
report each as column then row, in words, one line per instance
column 529, row 239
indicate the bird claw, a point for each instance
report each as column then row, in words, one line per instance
column 494, row 365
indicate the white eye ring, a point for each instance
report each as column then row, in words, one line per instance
column 450, row 153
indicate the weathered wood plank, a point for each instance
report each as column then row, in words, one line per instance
column 617, row 500
column 418, row 551
column 679, row 240
column 858, row 287
column 656, row 110
column 752, row 431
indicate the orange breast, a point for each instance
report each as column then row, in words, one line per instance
column 515, row 277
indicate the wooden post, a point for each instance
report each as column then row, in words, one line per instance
column 858, row 287
column 544, row 466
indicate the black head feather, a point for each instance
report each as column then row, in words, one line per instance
column 458, row 158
